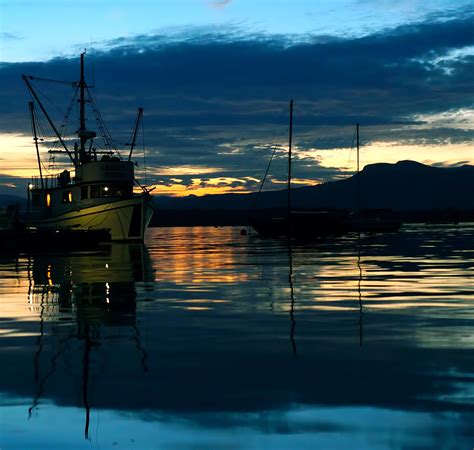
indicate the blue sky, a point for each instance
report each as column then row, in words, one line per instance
column 35, row 30
column 215, row 79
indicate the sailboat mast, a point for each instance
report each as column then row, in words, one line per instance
column 289, row 156
column 82, row 111
column 358, row 170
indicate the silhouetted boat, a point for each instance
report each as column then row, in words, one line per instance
column 97, row 192
column 302, row 223
column 299, row 223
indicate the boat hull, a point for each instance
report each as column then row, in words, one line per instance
column 126, row 220
column 375, row 221
column 302, row 224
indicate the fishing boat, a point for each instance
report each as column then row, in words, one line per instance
column 97, row 190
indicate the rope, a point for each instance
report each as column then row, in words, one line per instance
column 264, row 178
column 71, row 83
column 106, row 136
column 350, row 151
column 144, row 153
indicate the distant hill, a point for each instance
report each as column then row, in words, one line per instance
column 404, row 186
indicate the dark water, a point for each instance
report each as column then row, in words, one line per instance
column 206, row 339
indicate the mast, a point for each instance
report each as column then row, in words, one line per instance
column 83, row 134
column 358, row 171
column 135, row 131
column 289, row 156
column 35, row 138
column 82, row 112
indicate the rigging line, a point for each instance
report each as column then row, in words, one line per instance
column 68, row 111
column 108, row 139
column 45, row 99
column 130, row 138
column 51, row 123
column 275, row 147
column 350, row 151
column 41, row 141
column 144, row 152
column 65, row 122
column 102, row 132
column 42, row 131
column 71, row 83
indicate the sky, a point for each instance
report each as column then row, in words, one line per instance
column 215, row 78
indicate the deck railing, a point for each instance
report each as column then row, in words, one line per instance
column 50, row 181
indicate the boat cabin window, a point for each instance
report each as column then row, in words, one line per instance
column 95, row 191
column 84, row 192
column 67, row 197
column 118, row 191
column 107, row 190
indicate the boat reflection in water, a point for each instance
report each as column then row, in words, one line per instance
column 92, row 292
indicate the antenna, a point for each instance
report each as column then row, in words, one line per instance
column 92, row 63
column 358, row 172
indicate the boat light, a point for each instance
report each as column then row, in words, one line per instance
column 30, row 186
column 106, row 188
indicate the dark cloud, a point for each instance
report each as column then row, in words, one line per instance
column 220, row 97
column 218, row 4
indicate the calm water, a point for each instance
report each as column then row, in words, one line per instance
column 207, row 339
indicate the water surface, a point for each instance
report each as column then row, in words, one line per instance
column 204, row 338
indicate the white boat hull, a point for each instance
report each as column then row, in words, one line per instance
column 126, row 220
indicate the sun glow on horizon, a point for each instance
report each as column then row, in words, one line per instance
column 345, row 160
column 18, row 160
column 17, row 155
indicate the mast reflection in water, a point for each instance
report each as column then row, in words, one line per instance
column 192, row 341
column 91, row 292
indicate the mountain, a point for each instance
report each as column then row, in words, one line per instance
column 404, row 186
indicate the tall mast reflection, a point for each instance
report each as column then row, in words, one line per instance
column 359, row 290
column 85, row 293
column 292, row 296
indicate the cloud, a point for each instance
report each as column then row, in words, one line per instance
column 219, row 4
column 217, row 98
column 10, row 36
